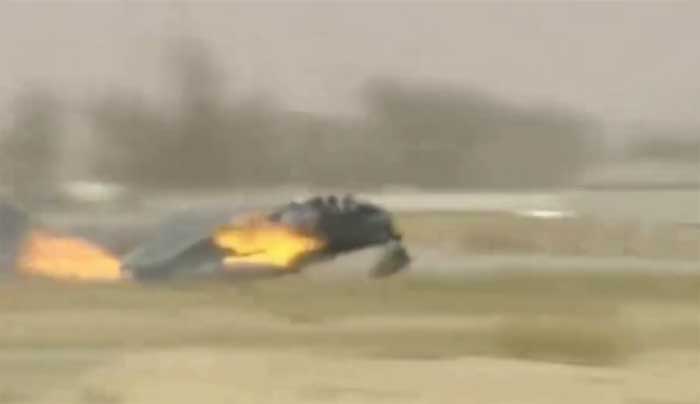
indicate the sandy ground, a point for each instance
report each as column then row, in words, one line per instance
column 344, row 371
column 213, row 376
column 409, row 340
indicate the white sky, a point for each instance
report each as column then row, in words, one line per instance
column 623, row 62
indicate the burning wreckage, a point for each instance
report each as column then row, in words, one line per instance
column 245, row 244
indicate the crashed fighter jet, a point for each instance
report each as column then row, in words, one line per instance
column 237, row 245
column 264, row 244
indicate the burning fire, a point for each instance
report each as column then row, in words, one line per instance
column 67, row 258
column 262, row 242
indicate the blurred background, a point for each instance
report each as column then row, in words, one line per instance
column 126, row 111
column 513, row 137
column 214, row 98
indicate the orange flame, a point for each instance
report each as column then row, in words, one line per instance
column 260, row 242
column 67, row 258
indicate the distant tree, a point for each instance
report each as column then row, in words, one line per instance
column 135, row 144
column 424, row 134
column 443, row 136
column 30, row 147
column 669, row 145
column 430, row 127
column 190, row 145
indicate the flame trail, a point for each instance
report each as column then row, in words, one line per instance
column 66, row 258
column 262, row 242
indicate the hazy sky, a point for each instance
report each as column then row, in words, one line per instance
column 624, row 62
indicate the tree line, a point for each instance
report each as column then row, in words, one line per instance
column 411, row 133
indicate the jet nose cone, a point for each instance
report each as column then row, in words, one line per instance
column 394, row 260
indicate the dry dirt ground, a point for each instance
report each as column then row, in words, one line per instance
column 208, row 375
column 526, row 337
